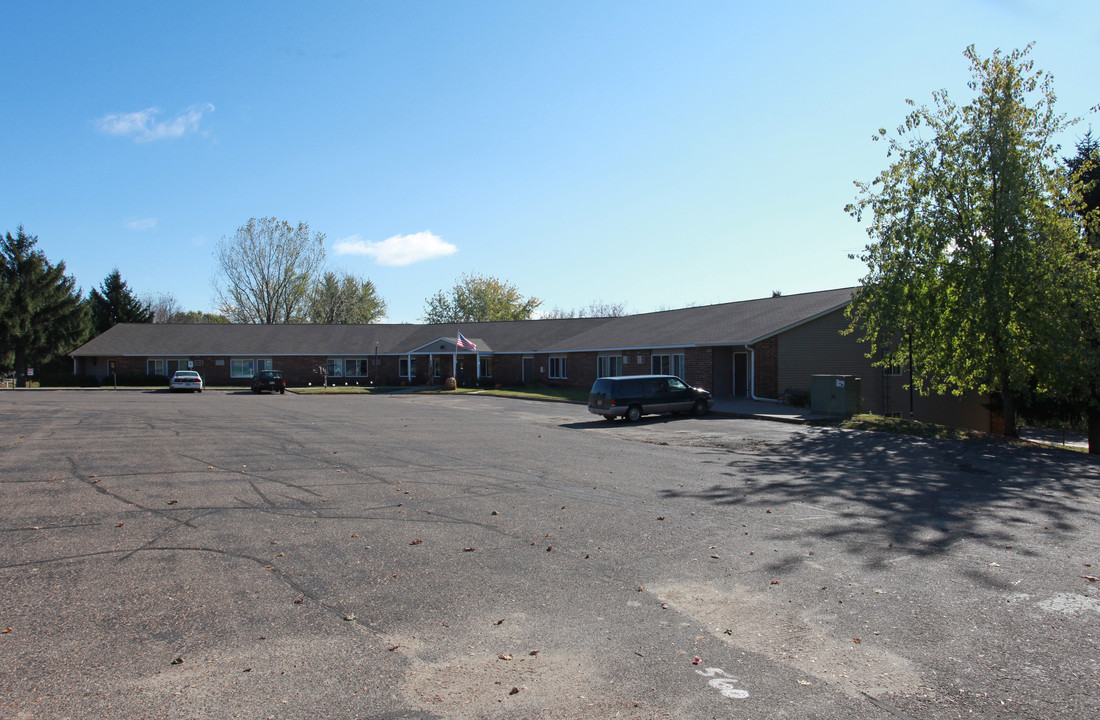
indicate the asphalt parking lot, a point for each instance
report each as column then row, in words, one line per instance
column 227, row 555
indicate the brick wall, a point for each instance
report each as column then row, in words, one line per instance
column 766, row 360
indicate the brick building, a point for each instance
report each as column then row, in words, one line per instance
column 766, row 349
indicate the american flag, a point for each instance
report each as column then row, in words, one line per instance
column 465, row 344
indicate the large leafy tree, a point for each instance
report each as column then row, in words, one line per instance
column 265, row 270
column 966, row 228
column 346, row 299
column 42, row 315
column 476, row 298
column 113, row 303
column 1068, row 383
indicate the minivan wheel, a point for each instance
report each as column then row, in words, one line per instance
column 699, row 408
column 633, row 413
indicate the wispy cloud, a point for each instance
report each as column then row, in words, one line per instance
column 141, row 224
column 143, row 125
column 399, row 249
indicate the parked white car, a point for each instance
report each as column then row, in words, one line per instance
column 185, row 380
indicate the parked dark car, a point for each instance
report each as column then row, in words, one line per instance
column 632, row 396
column 268, row 380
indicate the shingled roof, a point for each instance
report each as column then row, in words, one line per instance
column 735, row 323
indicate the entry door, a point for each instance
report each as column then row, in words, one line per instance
column 740, row 374
column 528, row 369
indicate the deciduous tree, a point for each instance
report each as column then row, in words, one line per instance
column 265, row 271
column 344, row 299
column 42, row 314
column 477, row 298
column 965, row 225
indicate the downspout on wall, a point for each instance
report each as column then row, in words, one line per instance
column 752, row 377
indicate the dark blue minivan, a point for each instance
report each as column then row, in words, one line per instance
column 632, row 396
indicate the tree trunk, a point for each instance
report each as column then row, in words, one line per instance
column 1094, row 430
column 1008, row 407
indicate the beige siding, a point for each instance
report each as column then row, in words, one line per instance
column 818, row 348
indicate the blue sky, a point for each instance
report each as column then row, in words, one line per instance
column 654, row 154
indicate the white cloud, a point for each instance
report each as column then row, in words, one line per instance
column 143, row 126
column 142, row 224
column 399, row 249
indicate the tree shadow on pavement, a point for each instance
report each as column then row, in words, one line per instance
column 910, row 495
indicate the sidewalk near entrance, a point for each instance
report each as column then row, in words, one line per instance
column 744, row 407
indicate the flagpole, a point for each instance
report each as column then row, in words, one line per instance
column 454, row 360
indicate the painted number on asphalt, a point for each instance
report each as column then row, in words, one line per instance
column 724, row 684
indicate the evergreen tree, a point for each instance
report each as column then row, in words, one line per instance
column 113, row 303
column 42, row 315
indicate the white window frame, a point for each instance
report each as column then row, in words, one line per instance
column 242, row 367
column 406, row 367
column 255, row 365
column 334, row 367
column 485, row 366
column 668, row 364
column 609, row 366
column 559, row 366
column 159, row 366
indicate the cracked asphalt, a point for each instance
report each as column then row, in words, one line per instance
column 426, row 556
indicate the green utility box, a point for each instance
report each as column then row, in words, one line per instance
column 835, row 395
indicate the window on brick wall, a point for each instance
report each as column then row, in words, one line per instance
column 609, row 365
column 406, row 367
column 670, row 364
column 247, row 367
column 557, row 368
column 165, row 366
column 485, row 367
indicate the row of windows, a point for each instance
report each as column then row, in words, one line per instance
column 606, row 366
column 350, row 367
column 238, row 367
column 612, row 365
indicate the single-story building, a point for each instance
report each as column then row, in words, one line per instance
column 766, row 349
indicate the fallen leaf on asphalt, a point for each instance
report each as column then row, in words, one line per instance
column 1090, row 578
column 173, row 502
column 533, row 653
column 6, row 630
column 119, row 524
column 416, row 542
column 499, row 622
column 857, row 641
column 178, row 661
column 494, row 513
column 549, row 548
column 502, row 656
column 468, row 549
column 696, row 661
column 775, row 582
column 515, row 690
column 349, row 617
column 660, row 517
